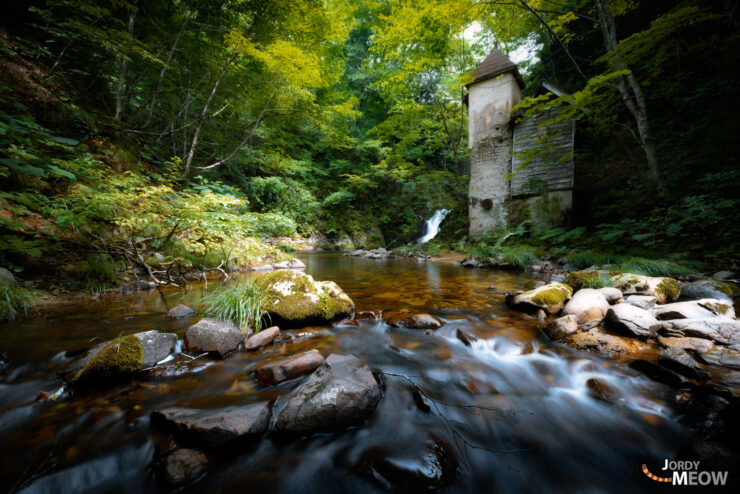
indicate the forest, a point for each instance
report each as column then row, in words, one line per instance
column 182, row 144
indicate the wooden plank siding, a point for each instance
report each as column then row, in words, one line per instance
column 548, row 144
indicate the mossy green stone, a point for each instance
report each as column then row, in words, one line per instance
column 120, row 357
column 552, row 294
column 669, row 288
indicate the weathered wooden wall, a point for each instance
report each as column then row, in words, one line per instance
column 549, row 143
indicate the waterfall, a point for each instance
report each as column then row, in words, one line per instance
column 432, row 225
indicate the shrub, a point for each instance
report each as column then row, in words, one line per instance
column 241, row 303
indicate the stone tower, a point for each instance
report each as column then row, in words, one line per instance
column 495, row 90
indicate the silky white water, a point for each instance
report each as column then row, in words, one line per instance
column 432, row 225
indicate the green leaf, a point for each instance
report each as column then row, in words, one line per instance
column 19, row 167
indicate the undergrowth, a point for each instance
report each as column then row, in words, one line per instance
column 15, row 300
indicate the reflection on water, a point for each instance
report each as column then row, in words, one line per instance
column 512, row 412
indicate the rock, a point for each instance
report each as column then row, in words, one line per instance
column 707, row 289
column 663, row 289
column 218, row 338
column 562, row 327
column 629, row 320
column 678, row 360
column 723, row 275
column 415, row 321
column 138, row 285
column 425, row 467
column 471, row 263
column 586, row 279
column 587, row 305
column 266, row 267
column 337, row 395
column 551, row 298
column 297, row 264
column 720, row 356
column 720, row 330
column 7, row 278
column 605, row 343
column 184, row 465
column 612, row 295
column 658, row 373
column 687, row 343
column 281, row 265
column 603, row 391
column 289, row 368
column 261, row 339
column 121, row 358
column 556, row 278
column 369, row 315
column 695, row 309
column 464, row 337
column 215, row 428
column 180, row 311
column 294, row 299
column 645, row 302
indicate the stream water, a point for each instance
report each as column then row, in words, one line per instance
column 511, row 413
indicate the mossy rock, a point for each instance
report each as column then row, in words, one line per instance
column 119, row 358
column 665, row 290
column 551, row 298
column 586, row 279
column 295, row 299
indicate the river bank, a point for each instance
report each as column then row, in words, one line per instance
column 478, row 402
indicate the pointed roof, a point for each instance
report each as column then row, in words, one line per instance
column 496, row 63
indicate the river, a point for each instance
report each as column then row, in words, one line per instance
column 513, row 412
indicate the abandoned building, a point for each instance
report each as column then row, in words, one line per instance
column 518, row 170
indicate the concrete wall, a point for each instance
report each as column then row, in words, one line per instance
column 490, row 142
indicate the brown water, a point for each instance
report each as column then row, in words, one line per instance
column 513, row 410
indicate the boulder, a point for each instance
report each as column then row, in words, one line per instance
column 281, row 265
column 562, row 327
column 121, row 358
column 183, row 466
column 587, row 305
column 695, row 309
column 6, row 277
column 415, row 321
column 294, row 299
column 663, row 289
column 425, row 466
column 678, row 360
column 707, row 289
column 718, row 329
column 645, row 302
column 215, row 428
column 339, row 394
column 551, row 298
column 180, row 311
column 261, row 339
column 629, row 320
column 603, row 391
column 612, row 295
column 687, row 343
column 289, row 368
column 605, row 343
column 218, row 338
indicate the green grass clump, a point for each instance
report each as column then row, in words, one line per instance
column 97, row 273
column 16, row 299
column 587, row 279
column 521, row 256
column 241, row 303
column 651, row 267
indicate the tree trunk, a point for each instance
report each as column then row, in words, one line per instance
column 123, row 69
column 203, row 114
column 634, row 99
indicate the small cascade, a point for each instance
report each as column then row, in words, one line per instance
column 432, row 225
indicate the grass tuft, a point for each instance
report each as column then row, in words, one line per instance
column 16, row 299
column 241, row 303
